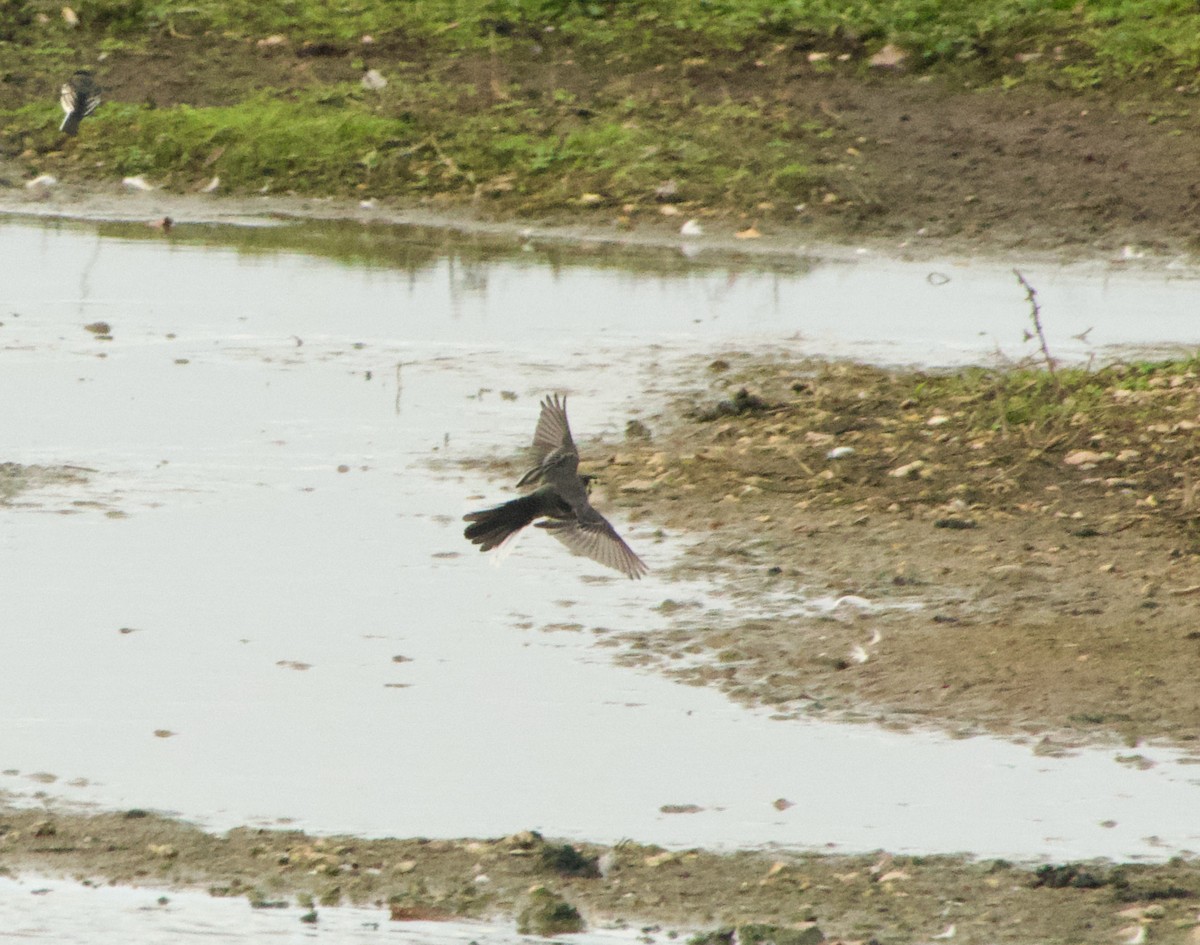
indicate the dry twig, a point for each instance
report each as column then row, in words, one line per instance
column 1035, row 313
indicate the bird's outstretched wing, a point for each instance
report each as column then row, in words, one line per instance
column 598, row 540
column 553, row 432
column 552, row 443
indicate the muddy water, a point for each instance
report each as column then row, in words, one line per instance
column 260, row 608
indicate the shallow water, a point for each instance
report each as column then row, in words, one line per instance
column 65, row 913
column 268, row 595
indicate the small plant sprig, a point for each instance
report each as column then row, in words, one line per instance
column 1035, row 315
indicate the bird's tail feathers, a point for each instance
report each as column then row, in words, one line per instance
column 492, row 527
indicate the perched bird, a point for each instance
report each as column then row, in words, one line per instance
column 561, row 501
column 80, row 96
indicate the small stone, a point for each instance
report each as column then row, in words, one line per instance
column 668, row 190
column 890, row 56
column 908, row 470
column 373, row 81
column 1085, row 459
column 525, row 840
column 636, row 430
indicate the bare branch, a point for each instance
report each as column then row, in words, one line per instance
column 1035, row 313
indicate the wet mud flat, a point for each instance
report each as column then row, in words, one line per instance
column 1013, row 549
column 547, row 887
column 955, row 521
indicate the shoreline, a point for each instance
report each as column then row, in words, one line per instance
column 794, row 247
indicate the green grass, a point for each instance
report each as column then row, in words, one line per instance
column 649, row 100
column 256, row 143
column 1045, row 403
column 1097, row 41
column 423, row 138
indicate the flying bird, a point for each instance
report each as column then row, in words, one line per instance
column 561, row 501
column 80, row 96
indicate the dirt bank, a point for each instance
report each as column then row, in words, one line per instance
column 877, row 897
column 777, row 147
column 1027, row 543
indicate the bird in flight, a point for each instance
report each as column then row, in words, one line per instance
column 80, row 96
column 561, row 501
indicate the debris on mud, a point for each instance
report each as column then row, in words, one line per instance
column 1026, row 543
column 778, row 896
column 741, row 402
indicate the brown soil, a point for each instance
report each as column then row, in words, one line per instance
column 877, row 897
column 908, row 160
column 1016, row 590
column 1062, row 605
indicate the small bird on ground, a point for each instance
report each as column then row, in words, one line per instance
column 80, row 96
column 561, row 501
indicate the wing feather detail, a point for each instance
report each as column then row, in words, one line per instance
column 599, row 541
